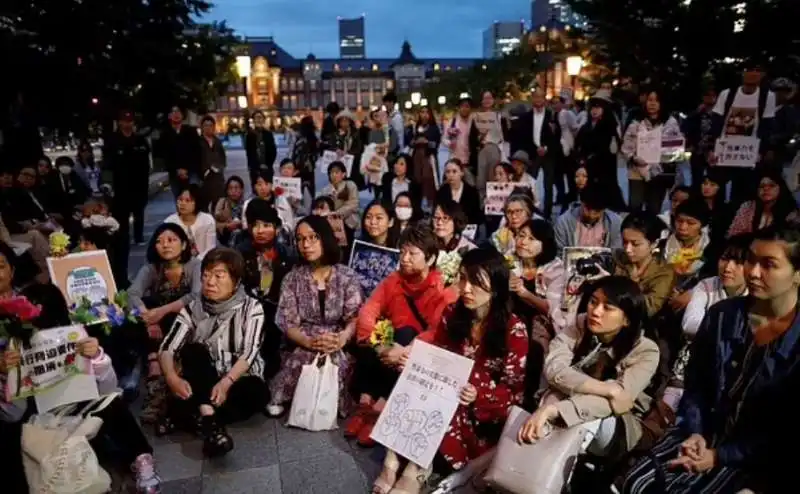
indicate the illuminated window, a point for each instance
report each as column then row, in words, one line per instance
column 436, row 67
column 446, row 67
column 374, row 67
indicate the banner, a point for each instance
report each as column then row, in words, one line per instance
column 423, row 402
column 292, row 186
column 737, row 151
column 329, row 157
column 83, row 275
column 52, row 371
column 373, row 264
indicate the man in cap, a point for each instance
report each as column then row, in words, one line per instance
column 126, row 156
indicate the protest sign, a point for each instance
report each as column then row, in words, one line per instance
column 486, row 122
column 423, row 402
column 648, row 145
column 51, row 370
column 329, row 157
column 373, row 264
column 496, row 195
column 740, row 151
column 470, row 231
column 573, row 276
column 292, row 186
column 83, row 275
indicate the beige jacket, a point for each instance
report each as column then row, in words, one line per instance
column 635, row 372
column 345, row 199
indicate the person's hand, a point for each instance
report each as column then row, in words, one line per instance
column 331, row 342
column 391, row 356
column 154, row 332
column 467, row 395
column 694, row 447
column 422, row 140
column 179, row 387
column 88, row 348
column 10, row 360
column 601, row 273
column 706, row 461
column 404, row 358
column 516, row 285
column 541, row 151
column 620, row 400
column 153, row 316
column 183, row 174
column 538, row 425
column 233, row 225
column 679, row 300
column 219, row 393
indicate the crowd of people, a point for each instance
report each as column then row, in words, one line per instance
column 679, row 354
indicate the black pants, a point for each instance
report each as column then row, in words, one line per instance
column 547, row 165
column 650, row 193
column 698, row 164
column 371, row 376
column 309, row 181
column 246, row 397
column 742, row 186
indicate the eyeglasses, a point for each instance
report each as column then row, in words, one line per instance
column 516, row 212
column 441, row 219
column 310, row 239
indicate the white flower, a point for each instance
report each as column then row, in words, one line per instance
column 100, row 221
column 448, row 263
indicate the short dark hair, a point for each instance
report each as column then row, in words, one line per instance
column 207, row 118
column 422, row 237
column 543, row 232
column 789, row 233
column 195, row 193
column 737, row 247
column 455, row 212
column 694, row 208
column 645, row 222
column 331, row 252
column 319, row 201
column 286, row 161
column 234, row 178
column 97, row 235
column 390, row 97
column 66, row 160
column 592, row 197
column 260, row 210
column 681, row 188
column 152, row 254
column 337, row 165
column 230, row 258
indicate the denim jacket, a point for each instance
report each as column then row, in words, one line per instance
column 765, row 415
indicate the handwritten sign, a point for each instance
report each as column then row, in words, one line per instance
column 373, row 264
column 329, row 157
column 496, row 195
column 423, row 402
column 51, row 370
column 737, row 151
column 648, row 145
column 83, row 275
column 470, row 231
column 292, row 186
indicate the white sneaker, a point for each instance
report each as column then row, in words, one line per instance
column 275, row 410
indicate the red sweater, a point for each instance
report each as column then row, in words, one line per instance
column 388, row 301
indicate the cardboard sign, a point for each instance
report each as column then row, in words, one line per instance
column 496, row 195
column 292, row 186
column 83, row 275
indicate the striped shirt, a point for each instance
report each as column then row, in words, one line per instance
column 237, row 334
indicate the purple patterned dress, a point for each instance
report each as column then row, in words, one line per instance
column 299, row 307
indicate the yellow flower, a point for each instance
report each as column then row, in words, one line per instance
column 59, row 244
column 382, row 334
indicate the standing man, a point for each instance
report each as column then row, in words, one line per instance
column 126, row 156
column 538, row 135
column 178, row 148
column 699, row 138
column 260, row 147
column 395, row 119
column 565, row 169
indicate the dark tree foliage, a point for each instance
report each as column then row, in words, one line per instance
column 680, row 44
column 80, row 61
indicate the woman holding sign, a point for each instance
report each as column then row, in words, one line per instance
column 479, row 326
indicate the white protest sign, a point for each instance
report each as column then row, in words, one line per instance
column 648, row 145
column 496, row 195
column 741, row 151
column 292, row 186
column 51, row 370
column 329, row 157
column 470, row 231
column 423, row 402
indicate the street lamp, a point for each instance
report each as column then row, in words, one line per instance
column 243, row 68
column 408, row 105
column 423, row 102
column 574, row 66
column 242, row 100
column 442, row 100
column 415, row 98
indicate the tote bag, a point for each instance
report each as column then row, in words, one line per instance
column 316, row 398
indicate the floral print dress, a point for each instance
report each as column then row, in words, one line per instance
column 299, row 307
column 500, row 382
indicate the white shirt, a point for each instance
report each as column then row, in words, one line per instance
column 202, row 234
column 707, row 293
column 456, row 194
column 538, row 120
column 396, row 121
column 567, row 120
column 742, row 118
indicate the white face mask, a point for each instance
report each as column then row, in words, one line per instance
column 403, row 213
column 65, row 169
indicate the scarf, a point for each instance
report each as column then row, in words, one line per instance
column 207, row 313
column 414, row 290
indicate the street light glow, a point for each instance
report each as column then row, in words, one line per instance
column 408, row 105
column 242, row 100
column 243, row 66
column 416, row 97
column 574, row 65
column 423, row 102
column 442, row 100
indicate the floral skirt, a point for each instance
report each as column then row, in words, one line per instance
column 283, row 385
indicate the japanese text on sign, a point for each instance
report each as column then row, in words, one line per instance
column 737, row 151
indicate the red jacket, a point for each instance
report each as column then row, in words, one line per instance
column 388, row 301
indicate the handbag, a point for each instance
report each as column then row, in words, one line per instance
column 316, row 397
column 56, row 453
column 543, row 467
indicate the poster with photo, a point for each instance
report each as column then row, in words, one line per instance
column 373, row 264
column 580, row 264
column 83, row 275
column 496, row 195
column 741, row 121
column 329, row 157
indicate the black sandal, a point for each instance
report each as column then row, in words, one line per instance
column 164, row 426
column 217, row 441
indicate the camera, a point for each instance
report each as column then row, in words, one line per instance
column 591, row 266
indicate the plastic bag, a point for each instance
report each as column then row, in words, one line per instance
column 316, row 398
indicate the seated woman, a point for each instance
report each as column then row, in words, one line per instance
column 481, row 327
column 518, row 210
column 319, row 301
column 216, row 341
column 130, row 444
column 743, row 367
column 266, row 264
column 228, row 212
column 161, row 289
column 345, row 197
column 406, row 211
column 684, row 247
column 597, row 371
column 200, row 227
column 774, row 204
column 412, row 299
column 729, row 282
column 449, row 222
column 378, row 225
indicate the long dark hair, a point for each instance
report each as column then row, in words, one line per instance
column 785, row 203
column 393, row 234
column 478, row 266
column 623, row 293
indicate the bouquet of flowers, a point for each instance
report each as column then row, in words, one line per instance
column 16, row 318
column 108, row 313
column 59, row 244
column 683, row 260
column 448, row 263
column 383, row 334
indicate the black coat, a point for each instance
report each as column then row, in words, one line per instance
column 64, row 193
column 127, row 159
column 470, row 202
column 270, row 152
column 179, row 150
column 522, row 138
column 414, row 189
